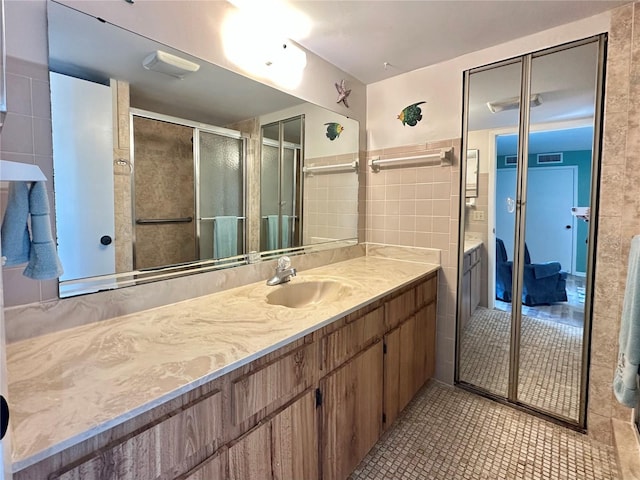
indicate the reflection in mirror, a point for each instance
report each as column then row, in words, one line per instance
column 281, row 184
column 157, row 185
column 471, row 190
column 523, row 309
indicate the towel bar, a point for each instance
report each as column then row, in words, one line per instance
column 213, row 218
column 326, row 168
column 445, row 155
column 152, row 221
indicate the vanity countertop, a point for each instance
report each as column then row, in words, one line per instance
column 471, row 244
column 70, row 385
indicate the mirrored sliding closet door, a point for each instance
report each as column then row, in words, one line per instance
column 532, row 129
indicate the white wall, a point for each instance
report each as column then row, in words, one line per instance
column 441, row 87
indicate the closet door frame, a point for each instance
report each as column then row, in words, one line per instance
column 520, row 223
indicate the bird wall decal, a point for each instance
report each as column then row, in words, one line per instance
column 343, row 93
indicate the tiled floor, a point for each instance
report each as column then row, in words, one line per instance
column 450, row 434
column 550, row 360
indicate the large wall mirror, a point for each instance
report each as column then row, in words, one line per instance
column 526, row 257
column 167, row 165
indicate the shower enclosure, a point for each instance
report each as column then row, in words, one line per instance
column 187, row 191
column 281, row 184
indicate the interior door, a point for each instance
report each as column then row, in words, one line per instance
column 551, row 194
column 550, row 226
column 83, row 168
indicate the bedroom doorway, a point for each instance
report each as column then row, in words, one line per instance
column 533, row 125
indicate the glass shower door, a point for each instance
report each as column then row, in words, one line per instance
column 281, row 185
column 221, row 213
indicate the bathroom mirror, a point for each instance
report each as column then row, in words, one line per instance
column 157, row 171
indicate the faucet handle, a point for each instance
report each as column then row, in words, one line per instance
column 284, row 263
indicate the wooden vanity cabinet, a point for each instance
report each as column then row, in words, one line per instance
column 471, row 284
column 310, row 410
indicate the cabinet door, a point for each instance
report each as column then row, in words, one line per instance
column 284, row 448
column 351, row 413
column 409, row 360
column 465, row 306
column 476, row 285
column 294, row 441
column 250, row 457
column 425, row 345
column 211, row 469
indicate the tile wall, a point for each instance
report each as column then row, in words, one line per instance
column 417, row 206
column 619, row 215
column 329, row 210
column 26, row 138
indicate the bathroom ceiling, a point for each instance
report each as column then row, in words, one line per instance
column 359, row 36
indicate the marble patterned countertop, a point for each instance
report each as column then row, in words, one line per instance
column 68, row 386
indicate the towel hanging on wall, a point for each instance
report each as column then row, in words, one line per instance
column 44, row 263
column 15, row 234
column 625, row 382
column 225, row 236
column 272, row 232
column 285, row 231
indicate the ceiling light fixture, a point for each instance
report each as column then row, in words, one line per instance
column 169, row 64
column 513, row 103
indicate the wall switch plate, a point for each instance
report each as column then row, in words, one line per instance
column 478, row 215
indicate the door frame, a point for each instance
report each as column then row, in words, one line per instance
column 491, row 209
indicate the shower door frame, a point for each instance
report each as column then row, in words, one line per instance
column 298, row 185
column 520, row 224
column 197, row 127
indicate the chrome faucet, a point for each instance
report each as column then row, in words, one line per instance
column 284, row 272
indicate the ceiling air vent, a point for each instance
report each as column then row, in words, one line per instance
column 546, row 158
column 511, row 160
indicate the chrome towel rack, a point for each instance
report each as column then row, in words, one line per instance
column 445, row 155
column 330, row 168
column 155, row 221
column 213, row 218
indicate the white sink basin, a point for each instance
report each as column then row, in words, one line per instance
column 307, row 293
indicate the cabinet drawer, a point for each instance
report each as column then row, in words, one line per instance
column 274, row 384
column 427, row 291
column 160, row 451
column 400, row 308
column 343, row 344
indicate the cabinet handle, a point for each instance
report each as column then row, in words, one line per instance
column 4, row 417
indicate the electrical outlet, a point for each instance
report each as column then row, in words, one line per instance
column 478, row 215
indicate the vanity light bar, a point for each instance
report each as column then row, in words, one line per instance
column 445, row 155
column 338, row 166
